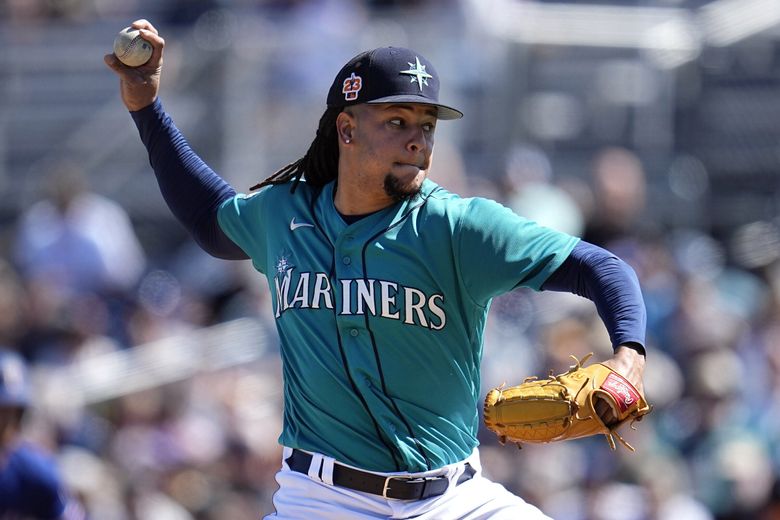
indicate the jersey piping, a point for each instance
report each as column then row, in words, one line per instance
column 401, row 416
column 342, row 353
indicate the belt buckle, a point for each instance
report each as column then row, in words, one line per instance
column 424, row 480
column 386, row 486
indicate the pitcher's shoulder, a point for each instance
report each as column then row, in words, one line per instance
column 281, row 193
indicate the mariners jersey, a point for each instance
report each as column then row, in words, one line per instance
column 381, row 321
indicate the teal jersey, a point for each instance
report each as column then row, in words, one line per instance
column 381, row 321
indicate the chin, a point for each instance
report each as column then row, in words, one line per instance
column 399, row 189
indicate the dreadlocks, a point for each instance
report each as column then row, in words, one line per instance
column 320, row 164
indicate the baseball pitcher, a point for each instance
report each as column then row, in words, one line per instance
column 381, row 282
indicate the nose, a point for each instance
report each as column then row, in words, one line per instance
column 417, row 141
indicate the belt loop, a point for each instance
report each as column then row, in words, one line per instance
column 327, row 470
column 424, row 486
column 286, row 454
column 453, row 474
column 315, row 467
column 462, row 470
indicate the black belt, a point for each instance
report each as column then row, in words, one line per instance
column 401, row 488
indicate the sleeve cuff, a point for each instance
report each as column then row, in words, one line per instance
column 633, row 345
column 150, row 110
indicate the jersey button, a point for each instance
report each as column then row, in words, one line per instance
column 354, row 332
column 347, row 260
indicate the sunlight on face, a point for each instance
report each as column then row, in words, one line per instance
column 415, row 124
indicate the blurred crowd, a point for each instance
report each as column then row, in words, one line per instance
column 76, row 286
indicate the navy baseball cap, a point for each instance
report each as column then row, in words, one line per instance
column 389, row 75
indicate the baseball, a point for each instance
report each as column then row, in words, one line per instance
column 131, row 49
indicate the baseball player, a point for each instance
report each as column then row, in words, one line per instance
column 29, row 484
column 381, row 283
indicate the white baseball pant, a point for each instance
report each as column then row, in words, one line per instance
column 312, row 497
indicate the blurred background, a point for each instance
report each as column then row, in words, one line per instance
column 649, row 127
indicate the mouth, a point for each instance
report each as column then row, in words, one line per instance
column 411, row 166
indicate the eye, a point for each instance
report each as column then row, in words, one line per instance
column 396, row 121
column 429, row 127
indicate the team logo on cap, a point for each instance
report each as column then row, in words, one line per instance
column 417, row 72
column 352, row 86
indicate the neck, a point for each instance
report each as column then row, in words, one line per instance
column 357, row 193
column 350, row 199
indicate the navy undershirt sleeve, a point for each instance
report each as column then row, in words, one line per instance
column 192, row 190
column 595, row 273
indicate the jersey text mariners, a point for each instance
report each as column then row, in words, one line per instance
column 358, row 296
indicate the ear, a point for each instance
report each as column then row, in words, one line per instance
column 345, row 123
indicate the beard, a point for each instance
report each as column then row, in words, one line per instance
column 399, row 191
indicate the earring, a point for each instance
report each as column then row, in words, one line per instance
column 347, row 141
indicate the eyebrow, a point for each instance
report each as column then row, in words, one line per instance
column 429, row 109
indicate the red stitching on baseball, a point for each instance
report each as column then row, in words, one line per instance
column 130, row 46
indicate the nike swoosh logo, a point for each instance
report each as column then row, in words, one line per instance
column 295, row 225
